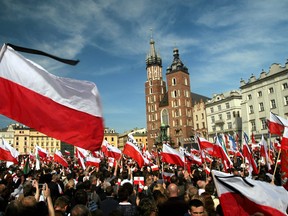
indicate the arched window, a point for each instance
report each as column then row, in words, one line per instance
column 164, row 117
column 173, row 81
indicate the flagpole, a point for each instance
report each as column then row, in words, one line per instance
column 276, row 166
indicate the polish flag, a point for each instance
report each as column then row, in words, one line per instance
column 7, row 152
column 67, row 152
column 172, row 156
column 248, row 155
column 247, row 196
column 276, row 124
column 154, row 167
column 112, row 162
column 264, row 152
column 284, row 141
column 58, row 157
column 132, row 151
column 111, row 151
column 205, row 144
column 219, row 152
column 41, row 152
column 92, row 161
column 63, row 108
column 80, row 158
column 167, row 176
column 82, row 152
column 138, row 180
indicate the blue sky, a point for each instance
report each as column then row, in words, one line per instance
column 219, row 41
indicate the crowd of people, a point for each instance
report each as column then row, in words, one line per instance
column 111, row 190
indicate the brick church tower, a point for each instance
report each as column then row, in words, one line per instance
column 167, row 110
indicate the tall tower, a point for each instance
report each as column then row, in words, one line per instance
column 155, row 89
column 180, row 101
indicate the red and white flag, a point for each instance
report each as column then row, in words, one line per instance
column 154, row 167
column 248, row 155
column 284, row 141
column 172, row 156
column 82, row 152
column 219, row 152
column 92, row 161
column 80, row 158
column 58, row 157
column 138, row 180
column 167, row 176
column 41, row 151
column 264, row 152
column 131, row 150
column 276, row 124
column 112, row 162
column 205, row 144
column 67, row 152
column 28, row 92
column 7, row 152
column 245, row 196
column 111, row 151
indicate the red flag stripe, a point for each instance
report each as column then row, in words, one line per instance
column 20, row 98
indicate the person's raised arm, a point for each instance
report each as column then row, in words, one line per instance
column 46, row 193
column 37, row 193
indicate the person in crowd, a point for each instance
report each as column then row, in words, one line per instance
column 208, row 204
column 196, row 208
column 62, row 204
column 126, row 207
column 80, row 210
column 147, row 207
column 110, row 203
column 175, row 205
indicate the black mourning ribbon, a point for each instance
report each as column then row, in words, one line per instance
column 235, row 190
column 38, row 52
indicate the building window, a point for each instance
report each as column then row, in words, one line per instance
column 227, row 105
column 249, row 97
column 259, row 94
column 212, row 119
column 271, row 90
column 251, row 111
column 263, row 123
column 253, row 125
column 229, row 124
column 285, row 86
column 220, row 116
column 261, row 107
column 202, row 115
column 285, row 100
column 213, row 128
column 196, row 117
column 186, row 81
column 173, row 81
column 197, row 126
column 203, row 124
column 219, row 107
column 273, row 104
column 228, row 115
column 212, row 110
column 175, row 93
column 151, row 91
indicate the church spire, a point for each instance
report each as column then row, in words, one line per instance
column 153, row 58
column 177, row 64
